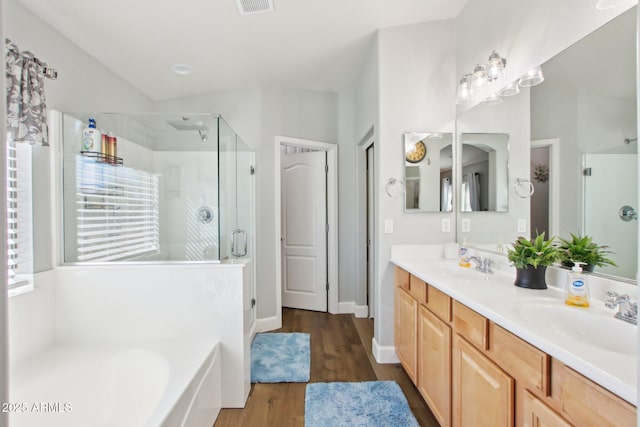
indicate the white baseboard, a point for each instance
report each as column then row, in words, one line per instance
column 346, row 307
column 362, row 311
column 383, row 354
column 268, row 324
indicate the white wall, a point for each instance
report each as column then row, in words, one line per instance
column 527, row 33
column 416, row 89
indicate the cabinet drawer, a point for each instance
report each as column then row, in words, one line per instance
column 418, row 289
column 470, row 325
column 402, row 278
column 439, row 303
column 521, row 360
column 586, row 404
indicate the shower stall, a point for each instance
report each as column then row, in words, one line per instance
column 159, row 188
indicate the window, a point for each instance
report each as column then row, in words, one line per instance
column 19, row 218
column 117, row 212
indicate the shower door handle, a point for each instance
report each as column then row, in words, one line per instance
column 238, row 239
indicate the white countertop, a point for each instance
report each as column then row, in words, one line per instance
column 496, row 298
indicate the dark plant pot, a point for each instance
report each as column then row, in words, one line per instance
column 585, row 267
column 531, row 278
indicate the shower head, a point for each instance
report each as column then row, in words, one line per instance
column 187, row 124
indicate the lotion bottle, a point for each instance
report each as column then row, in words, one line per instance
column 577, row 292
column 91, row 138
column 463, row 253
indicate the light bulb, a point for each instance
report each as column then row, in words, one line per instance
column 495, row 68
column 480, row 75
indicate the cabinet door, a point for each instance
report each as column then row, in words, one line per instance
column 434, row 364
column 537, row 414
column 406, row 318
column 482, row 393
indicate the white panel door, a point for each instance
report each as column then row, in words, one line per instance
column 613, row 183
column 304, row 235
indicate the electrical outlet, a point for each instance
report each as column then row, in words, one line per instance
column 388, row 226
column 522, row 225
column 446, row 225
column 466, row 225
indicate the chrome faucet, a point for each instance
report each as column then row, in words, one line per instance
column 482, row 264
column 627, row 310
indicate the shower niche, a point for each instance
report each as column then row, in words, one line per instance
column 182, row 190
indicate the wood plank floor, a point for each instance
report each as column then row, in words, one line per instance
column 340, row 351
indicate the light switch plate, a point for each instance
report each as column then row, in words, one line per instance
column 466, row 225
column 522, row 225
column 388, row 226
column 446, row 225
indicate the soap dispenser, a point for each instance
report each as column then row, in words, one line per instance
column 577, row 292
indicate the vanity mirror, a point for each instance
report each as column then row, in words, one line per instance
column 484, row 174
column 574, row 138
column 428, row 171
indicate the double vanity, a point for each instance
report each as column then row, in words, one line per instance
column 484, row 352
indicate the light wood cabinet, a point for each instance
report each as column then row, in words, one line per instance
column 472, row 372
column 537, row 414
column 483, row 395
column 434, row 364
column 405, row 331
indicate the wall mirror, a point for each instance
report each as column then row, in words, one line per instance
column 428, row 171
column 581, row 150
column 484, row 172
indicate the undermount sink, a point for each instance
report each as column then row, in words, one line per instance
column 590, row 326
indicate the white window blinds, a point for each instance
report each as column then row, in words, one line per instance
column 19, row 218
column 117, row 211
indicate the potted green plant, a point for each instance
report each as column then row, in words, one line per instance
column 531, row 257
column 583, row 249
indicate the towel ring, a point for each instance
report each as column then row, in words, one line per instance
column 391, row 187
column 519, row 190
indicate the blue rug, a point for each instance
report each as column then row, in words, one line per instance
column 370, row 404
column 280, row 358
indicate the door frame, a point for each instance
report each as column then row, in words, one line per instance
column 332, row 218
column 554, row 178
column 370, row 216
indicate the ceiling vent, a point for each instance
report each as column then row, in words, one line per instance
column 251, row 7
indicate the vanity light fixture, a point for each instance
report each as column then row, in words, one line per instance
column 495, row 67
column 493, row 100
column 465, row 92
column 532, row 78
column 479, row 78
column 510, row 90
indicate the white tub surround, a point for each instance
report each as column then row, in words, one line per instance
column 130, row 304
column 154, row 384
column 612, row 364
column 159, row 323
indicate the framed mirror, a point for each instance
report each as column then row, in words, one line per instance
column 428, row 172
column 484, row 184
column 580, row 150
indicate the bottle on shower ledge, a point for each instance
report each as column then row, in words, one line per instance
column 91, row 138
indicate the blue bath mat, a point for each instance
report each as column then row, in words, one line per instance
column 280, row 358
column 370, row 404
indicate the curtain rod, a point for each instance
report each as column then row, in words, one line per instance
column 46, row 70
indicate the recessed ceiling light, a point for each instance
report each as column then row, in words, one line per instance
column 182, row 69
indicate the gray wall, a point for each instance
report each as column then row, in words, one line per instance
column 83, row 84
column 416, row 89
